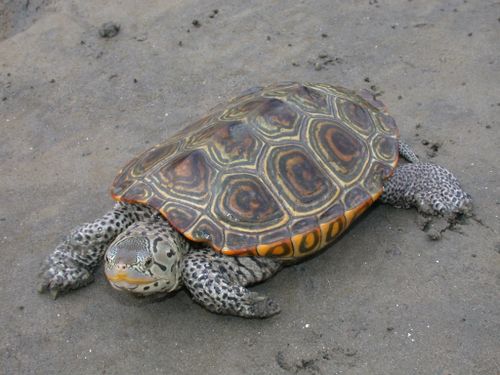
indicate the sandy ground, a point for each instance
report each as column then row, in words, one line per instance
column 74, row 107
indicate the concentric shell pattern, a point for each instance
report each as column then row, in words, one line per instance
column 278, row 171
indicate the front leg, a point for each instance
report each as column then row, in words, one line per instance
column 430, row 188
column 218, row 282
column 73, row 262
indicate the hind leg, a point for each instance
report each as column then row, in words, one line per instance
column 430, row 188
column 72, row 263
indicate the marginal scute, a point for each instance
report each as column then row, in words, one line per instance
column 307, row 243
column 309, row 99
column 276, row 235
column 180, row 216
column 332, row 213
column 205, row 230
column 139, row 192
column 303, row 225
column 243, row 109
column 121, row 184
column 152, row 157
column 281, row 249
column 387, row 124
column 385, row 148
column 279, row 171
column 371, row 99
column 355, row 198
column 237, row 240
column 356, row 212
column 332, row 230
column 375, row 176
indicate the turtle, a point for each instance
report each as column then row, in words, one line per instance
column 267, row 179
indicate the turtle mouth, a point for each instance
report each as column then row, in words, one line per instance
column 124, row 282
column 125, row 279
column 124, row 286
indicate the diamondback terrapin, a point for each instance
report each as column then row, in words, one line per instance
column 274, row 175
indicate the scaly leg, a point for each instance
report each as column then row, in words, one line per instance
column 218, row 282
column 406, row 152
column 430, row 188
column 73, row 262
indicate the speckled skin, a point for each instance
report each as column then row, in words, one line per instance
column 145, row 255
column 430, row 188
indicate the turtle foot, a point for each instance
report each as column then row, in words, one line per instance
column 432, row 189
column 260, row 306
column 60, row 273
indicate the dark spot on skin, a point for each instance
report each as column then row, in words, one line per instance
column 162, row 267
column 146, row 287
column 155, row 284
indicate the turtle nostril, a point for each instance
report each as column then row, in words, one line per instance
column 121, row 266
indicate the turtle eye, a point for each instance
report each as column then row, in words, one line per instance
column 148, row 263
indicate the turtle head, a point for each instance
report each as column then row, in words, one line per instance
column 145, row 259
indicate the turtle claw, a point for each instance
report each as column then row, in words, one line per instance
column 54, row 293
column 41, row 287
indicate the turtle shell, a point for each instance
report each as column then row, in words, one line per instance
column 279, row 171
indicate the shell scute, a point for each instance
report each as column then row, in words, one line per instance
column 300, row 180
column 188, row 175
column 342, row 151
column 245, row 202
